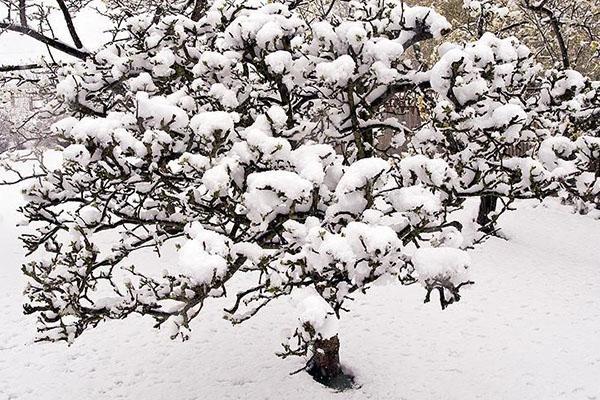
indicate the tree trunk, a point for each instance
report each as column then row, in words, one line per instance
column 324, row 365
column 486, row 207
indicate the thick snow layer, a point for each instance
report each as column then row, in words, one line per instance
column 442, row 263
column 529, row 329
column 203, row 256
column 207, row 123
column 158, row 112
column 313, row 309
column 337, row 72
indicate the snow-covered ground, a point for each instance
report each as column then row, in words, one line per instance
column 528, row 329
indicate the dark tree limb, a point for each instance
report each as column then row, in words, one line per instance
column 199, row 9
column 421, row 33
column 324, row 365
column 25, row 67
column 69, row 22
column 555, row 24
column 487, row 206
column 54, row 43
column 23, row 13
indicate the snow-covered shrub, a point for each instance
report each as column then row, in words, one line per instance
column 247, row 140
column 570, row 110
column 492, row 109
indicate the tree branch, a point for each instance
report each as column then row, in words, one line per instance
column 555, row 24
column 69, row 22
column 10, row 68
column 23, row 13
column 57, row 44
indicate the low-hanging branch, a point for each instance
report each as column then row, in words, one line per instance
column 52, row 42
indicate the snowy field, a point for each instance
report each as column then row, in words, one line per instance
column 528, row 329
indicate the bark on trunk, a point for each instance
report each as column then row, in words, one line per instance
column 324, row 365
column 486, row 207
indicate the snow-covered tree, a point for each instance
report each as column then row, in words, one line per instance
column 570, row 110
column 494, row 109
column 560, row 35
column 249, row 141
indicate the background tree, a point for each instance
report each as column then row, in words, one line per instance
column 561, row 34
column 492, row 110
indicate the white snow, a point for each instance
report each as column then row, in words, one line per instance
column 337, row 72
column 415, row 198
column 512, row 117
column 202, row 257
column 207, row 123
column 360, row 173
column 528, row 329
column 314, row 310
column 163, row 61
column 90, row 215
column 442, row 263
column 279, row 61
column 77, row 153
column 275, row 192
column 159, row 111
column 226, row 96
